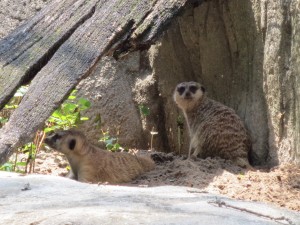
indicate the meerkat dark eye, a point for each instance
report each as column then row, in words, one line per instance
column 181, row 90
column 193, row 89
column 72, row 144
column 202, row 89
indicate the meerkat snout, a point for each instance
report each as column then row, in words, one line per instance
column 52, row 139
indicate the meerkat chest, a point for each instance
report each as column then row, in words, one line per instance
column 77, row 163
column 195, row 120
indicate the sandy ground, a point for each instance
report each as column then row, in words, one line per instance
column 279, row 186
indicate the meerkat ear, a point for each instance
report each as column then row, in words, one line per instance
column 72, row 144
column 202, row 89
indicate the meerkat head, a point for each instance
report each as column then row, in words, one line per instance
column 66, row 141
column 188, row 94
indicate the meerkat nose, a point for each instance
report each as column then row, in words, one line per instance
column 49, row 141
column 188, row 94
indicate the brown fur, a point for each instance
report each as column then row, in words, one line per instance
column 92, row 164
column 215, row 129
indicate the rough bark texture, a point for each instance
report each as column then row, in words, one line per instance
column 116, row 90
column 246, row 53
column 14, row 12
column 75, row 34
column 113, row 110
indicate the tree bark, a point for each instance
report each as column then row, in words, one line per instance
column 61, row 45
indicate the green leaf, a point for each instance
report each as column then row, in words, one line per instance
column 84, row 118
column 110, row 140
column 10, row 106
column 84, row 104
column 56, row 120
column 63, row 118
column 69, row 108
column 7, row 167
column 116, row 146
column 104, row 138
column 21, row 163
column 109, row 146
column 57, row 113
column 74, row 92
column 71, row 97
column 144, row 110
column 52, row 128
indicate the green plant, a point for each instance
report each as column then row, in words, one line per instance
column 111, row 143
column 68, row 115
column 7, row 167
column 144, row 110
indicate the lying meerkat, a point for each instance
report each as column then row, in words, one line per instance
column 215, row 129
column 92, row 164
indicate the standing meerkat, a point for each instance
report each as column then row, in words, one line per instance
column 215, row 129
column 92, row 164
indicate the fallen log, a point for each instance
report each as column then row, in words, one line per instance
column 61, row 45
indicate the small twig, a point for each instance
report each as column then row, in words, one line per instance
column 16, row 160
column 39, row 139
column 152, row 132
column 220, row 203
column 28, row 160
column 197, row 191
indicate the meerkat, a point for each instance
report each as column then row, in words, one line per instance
column 93, row 165
column 215, row 129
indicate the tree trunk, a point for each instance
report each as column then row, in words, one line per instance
column 63, row 43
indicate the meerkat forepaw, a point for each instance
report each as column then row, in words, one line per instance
column 241, row 162
column 193, row 158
